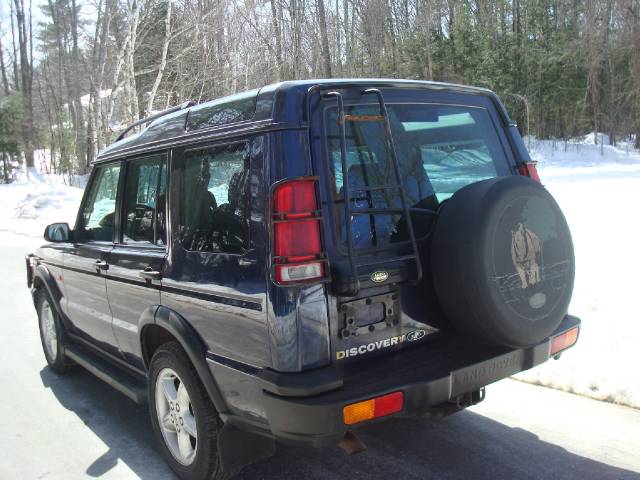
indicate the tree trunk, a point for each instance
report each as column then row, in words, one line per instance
column 5, row 79
column 98, row 55
column 14, row 51
column 428, row 71
column 134, row 19
column 76, row 77
column 593, row 68
column 347, row 40
column 324, row 37
column 338, row 59
column 47, row 110
column 392, row 39
column 450, row 30
column 26, row 77
column 5, row 168
column 278, row 35
column 163, row 60
column 634, row 17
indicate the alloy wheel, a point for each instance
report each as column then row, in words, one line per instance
column 49, row 332
column 176, row 416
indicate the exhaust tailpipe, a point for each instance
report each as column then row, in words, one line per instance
column 351, row 444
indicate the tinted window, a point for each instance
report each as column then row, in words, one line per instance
column 144, row 201
column 214, row 214
column 457, row 147
column 440, row 149
column 224, row 111
column 98, row 212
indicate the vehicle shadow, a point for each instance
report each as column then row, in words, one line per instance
column 121, row 424
column 463, row 446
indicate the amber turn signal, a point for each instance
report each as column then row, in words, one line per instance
column 564, row 341
column 373, row 408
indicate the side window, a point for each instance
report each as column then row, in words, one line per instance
column 98, row 212
column 144, row 201
column 214, row 211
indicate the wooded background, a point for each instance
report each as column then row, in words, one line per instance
column 75, row 72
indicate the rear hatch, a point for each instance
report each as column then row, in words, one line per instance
column 387, row 159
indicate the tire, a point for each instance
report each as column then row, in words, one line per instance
column 171, row 371
column 51, row 333
column 502, row 261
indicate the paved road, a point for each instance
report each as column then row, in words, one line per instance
column 75, row 426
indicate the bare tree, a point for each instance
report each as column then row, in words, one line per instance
column 3, row 69
column 25, row 45
column 326, row 56
column 594, row 56
column 576, row 63
column 163, row 61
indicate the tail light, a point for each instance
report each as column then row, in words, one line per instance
column 373, row 408
column 529, row 170
column 298, row 253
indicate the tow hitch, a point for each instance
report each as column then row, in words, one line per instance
column 454, row 405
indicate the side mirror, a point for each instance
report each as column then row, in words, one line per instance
column 57, row 232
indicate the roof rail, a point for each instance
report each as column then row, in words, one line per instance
column 146, row 120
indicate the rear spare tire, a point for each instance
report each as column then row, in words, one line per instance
column 502, row 261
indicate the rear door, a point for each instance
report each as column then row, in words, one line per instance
column 216, row 274
column 441, row 142
column 137, row 259
column 86, row 263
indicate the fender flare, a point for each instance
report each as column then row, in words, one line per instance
column 189, row 340
column 43, row 274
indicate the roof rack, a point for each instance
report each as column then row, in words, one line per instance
column 155, row 116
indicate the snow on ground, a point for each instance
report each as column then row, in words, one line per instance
column 35, row 200
column 598, row 188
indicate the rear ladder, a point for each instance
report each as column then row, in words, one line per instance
column 399, row 186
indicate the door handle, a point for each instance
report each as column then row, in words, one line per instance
column 150, row 274
column 101, row 265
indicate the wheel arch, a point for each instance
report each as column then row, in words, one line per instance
column 42, row 278
column 159, row 325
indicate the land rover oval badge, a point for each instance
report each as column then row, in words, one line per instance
column 379, row 276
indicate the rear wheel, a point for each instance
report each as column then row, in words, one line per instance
column 182, row 415
column 51, row 333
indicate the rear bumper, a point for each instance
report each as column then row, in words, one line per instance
column 299, row 411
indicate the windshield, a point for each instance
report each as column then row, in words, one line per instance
column 440, row 149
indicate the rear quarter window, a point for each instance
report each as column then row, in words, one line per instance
column 214, row 212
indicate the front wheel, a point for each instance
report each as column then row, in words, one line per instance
column 50, row 333
column 182, row 415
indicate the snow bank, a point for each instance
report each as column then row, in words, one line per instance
column 600, row 196
column 582, row 158
column 35, row 200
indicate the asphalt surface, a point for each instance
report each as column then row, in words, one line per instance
column 75, row 426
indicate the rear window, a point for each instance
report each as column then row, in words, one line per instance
column 440, row 149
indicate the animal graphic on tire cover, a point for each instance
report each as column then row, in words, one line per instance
column 525, row 252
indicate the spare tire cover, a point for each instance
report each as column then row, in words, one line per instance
column 502, row 261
